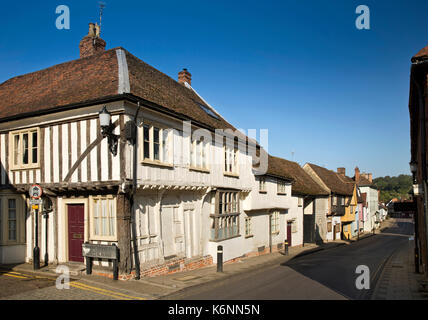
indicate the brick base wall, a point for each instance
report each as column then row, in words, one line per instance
column 177, row 265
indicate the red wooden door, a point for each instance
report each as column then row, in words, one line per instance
column 75, row 231
column 289, row 234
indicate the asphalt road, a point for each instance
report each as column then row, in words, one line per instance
column 327, row 274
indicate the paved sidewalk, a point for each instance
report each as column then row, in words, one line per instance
column 160, row 286
column 398, row 280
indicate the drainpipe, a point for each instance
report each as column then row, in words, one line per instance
column 134, row 190
column 423, row 149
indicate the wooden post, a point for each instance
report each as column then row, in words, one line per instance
column 124, row 232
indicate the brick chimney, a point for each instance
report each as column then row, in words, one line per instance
column 367, row 176
column 357, row 174
column 185, row 76
column 341, row 171
column 92, row 43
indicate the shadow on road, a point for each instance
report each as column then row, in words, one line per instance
column 335, row 266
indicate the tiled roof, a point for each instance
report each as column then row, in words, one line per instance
column 302, row 182
column 342, row 185
column 98, row 77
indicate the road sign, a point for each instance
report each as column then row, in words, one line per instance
column 35, row 206
column 36, row 201
column 36, row 191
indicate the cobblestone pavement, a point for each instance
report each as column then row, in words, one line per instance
column 34, row 287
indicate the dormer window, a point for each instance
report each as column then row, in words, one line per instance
column 24, row 149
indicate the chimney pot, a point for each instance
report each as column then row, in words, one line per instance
column 185, row 76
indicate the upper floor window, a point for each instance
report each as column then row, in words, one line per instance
column 199, row 154
column 334, row 200
column 281, row 187
column 24, row 149
column 156, row 144
column 262, row 185
column 342, row 201
column 231, row 160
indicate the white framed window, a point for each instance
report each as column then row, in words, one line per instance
column 199, row 154
column 300, row 202
column 262, row 184
column 12, row 221
column 103, row 218
column 334, row 200
column 231, row 160
column 342, row 201
column 274, row 222
column 24, row 149
column 281, row 187
column 248, row 231
column 156, row 144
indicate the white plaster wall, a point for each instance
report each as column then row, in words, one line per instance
column 321, row 210
column 334, row 220
column 373, row 205
column 295, row 213
column 270, row 199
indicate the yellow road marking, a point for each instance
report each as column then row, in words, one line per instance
column 13, row 275
column 75, row 285
column 109, row 291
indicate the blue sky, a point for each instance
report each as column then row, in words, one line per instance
column 329, row 93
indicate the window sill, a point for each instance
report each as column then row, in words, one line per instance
column 199, row 169
column 250, row 236
column 157, row 163
column 275, row 233
column 25, row 167
column 229, row 174
column 281, row 193
column 220, row 240
column 263, row 192
column 12, row 243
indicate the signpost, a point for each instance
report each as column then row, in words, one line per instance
column 35, row 194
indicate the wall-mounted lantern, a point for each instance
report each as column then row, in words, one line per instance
column 107, row 130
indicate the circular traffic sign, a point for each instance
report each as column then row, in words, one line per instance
column 36, row 191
